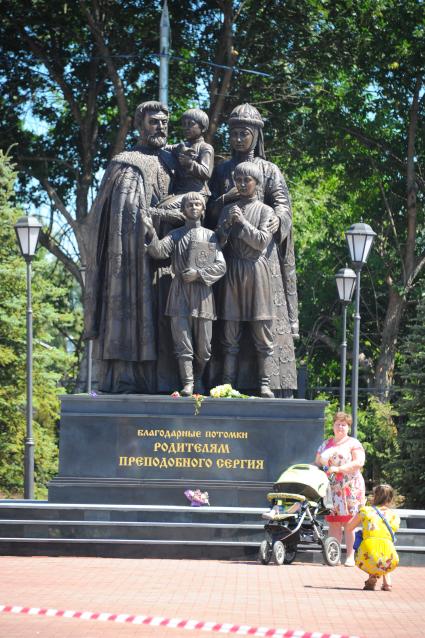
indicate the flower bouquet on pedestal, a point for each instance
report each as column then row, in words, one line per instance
column 226, row 391
column 197, row 498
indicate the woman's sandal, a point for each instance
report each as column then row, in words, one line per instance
column 386, row 587
column 370, row 583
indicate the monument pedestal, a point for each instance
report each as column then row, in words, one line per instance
column 144, row 450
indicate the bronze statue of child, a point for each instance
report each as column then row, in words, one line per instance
column 197, row 263
column 245, row 292
column 195, row 159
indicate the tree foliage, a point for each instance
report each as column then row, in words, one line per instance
column 72, row 76
column 344, row 100
column 52, row 366
column 411, row 463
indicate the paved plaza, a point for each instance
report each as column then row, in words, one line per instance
column 306, row 597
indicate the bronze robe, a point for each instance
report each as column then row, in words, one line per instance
column 121, row 309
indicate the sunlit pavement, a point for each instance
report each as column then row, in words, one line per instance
column 305, row 597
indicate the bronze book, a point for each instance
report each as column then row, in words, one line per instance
column 201, row 254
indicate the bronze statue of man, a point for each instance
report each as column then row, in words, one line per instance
column 121, row 310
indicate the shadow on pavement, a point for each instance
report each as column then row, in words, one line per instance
column 334, row 587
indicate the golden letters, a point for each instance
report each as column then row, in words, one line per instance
column 164, row 462
column 164, row 446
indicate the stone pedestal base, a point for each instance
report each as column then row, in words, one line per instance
column 137, row 449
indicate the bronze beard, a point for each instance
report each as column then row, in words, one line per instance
column 158, row 140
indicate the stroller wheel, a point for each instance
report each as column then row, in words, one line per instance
column 265, row 552
column 279, row 553
column 290, row 554
column 332, row 551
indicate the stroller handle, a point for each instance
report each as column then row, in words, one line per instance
column 295, row 497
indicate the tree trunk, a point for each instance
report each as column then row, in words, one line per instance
column 391, row 327
column 226, row 55
column 411, row 267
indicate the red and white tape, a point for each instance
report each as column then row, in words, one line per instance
column 160, row 621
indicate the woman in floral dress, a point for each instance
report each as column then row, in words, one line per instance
column 377, row 555
column 342, row 458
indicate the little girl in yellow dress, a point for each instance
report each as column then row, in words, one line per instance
column 377, row 555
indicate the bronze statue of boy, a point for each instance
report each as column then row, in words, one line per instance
column 245, row 292
column 197, row 263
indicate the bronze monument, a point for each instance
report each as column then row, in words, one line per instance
column 140, row 307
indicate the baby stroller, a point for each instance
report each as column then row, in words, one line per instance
column 298, row 499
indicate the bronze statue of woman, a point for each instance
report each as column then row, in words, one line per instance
column 247, row 142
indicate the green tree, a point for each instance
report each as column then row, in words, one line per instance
column 71, row 79
column 52, row 364
column 343, row 99
column 411, row 467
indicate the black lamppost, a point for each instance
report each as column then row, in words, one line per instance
column 27, row 231
column 345, row 282
column 359, row 239
column 89, row 341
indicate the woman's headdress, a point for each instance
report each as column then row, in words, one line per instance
column 246, row 115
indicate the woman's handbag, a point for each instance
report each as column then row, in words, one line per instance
column 358, row 537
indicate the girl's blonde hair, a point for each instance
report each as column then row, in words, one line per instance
column 382, row 494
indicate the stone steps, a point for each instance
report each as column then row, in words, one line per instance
column 42, row 528
column 130, row 530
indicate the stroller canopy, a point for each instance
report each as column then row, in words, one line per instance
column 307, row 480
